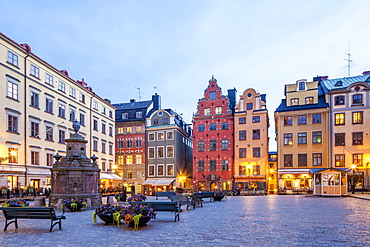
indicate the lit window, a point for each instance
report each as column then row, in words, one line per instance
column 169, row 152
column 316, row 137
column 294, row 102
column 207, row 112
column 218, row 110
column 160, row 152
column 339, row 160
column 170, row 171
column 169, row 135
column 129, row 130
column 129, row 159
column 339, row 119
column 288, row 120
column 357, row 117
column 139, row 159
column 288, row 139
column 357, row 159
column 13, row 155
column 309, row 100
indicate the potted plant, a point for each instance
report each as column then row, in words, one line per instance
column 219, row 195
column 108, row 213
column 74, row 204
column 137, row 198
column 137, row 215
column 120, row 197
column 15, row 203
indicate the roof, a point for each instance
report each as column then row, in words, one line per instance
column 133, row 105
column 284, row 108
column 331, row 84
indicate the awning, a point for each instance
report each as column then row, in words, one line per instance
column 150, row 181
column 110, row 176
column 294, row 171
column 38, row 171
column 163, row 181
column 12, row 168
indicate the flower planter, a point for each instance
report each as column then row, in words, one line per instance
column 218, row 198
column 107, row 219
column 142, row 221
column 74, row 207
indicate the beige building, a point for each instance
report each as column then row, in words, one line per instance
column 302, row 134
column 39, row 104
column 251, row 141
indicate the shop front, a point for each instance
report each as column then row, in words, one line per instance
column 330, row 182
column 151, row 186
column 295, row 181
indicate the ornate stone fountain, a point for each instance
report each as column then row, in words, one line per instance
column 75, row 175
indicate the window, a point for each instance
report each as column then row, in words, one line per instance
column 49, row 79
column 201, row 127
column 72, row 92
column 212, row 127
column 288, row 139
column 138, row 143
column 256, row 170
column 316, row 137
column 302, row 119
column 170, row 171
column 169, row 135
column 317, row 159
column 302, row 138
column 12, row 124
column 13, row 155
column 128, row 129
column 49, row 159
column 301, row 85
column 129, row 144
column 103, row 110
column 82, row 119
column 225, row 126
column 256, row 134
column 138, row 129
column 35, row 71
column 120, row 160
column 103, row 128
column 95, row 105
column 242, row 120
column 61, row 110
column 340, row 139
column 339, row 160
column 95, row 124
column 34, row 129
column 119, row 144
column 139, row 159
column 125, row 115
column 200, row 145
column 151, row 137
column 242, row 170
column 49, row 133
column 151, row 170
column 207, row 112
column 339, row 100
column 288, row 160
column 49, row 105
column 339, row 119
column 103, row 147
column 256, row 152
column 218, row 110
column 139, row 114
column 212, row 165
column 110, row 148
column 249, row 106
column 212, row 144
column 308, row 100
column 288, row 120
column 242, row 152
column 316, row 118
column 129, row 174
column 72, row 114
column 111, row 114
column 160, row 136
column 225, row 165
column 160, row 152
column 35, row 99
column 82, row 98
column 357, row 117
column 357, row 138
column 242, row 135
column 169, row 152
column 35, row 158
column 200, row 165
column 302, row 159
column 294, row 102
column 12, row 58
column 357, row 159
column 357, row 99
column 95, row 145
column 224, row 144
column 12, row 89
column 160, row 170
column 62, row 136
column 212, row 95
column 62, row 86
column 129, row 159
column 256, row 119
column 120, row 130
column 155, row 121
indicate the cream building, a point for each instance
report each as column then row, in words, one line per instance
column 39, row 104
column 251, row 141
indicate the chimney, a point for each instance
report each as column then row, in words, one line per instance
column 132, row 100
column 366, row 72
column 231, row 94
column 108, row 100
column 263, row 97
column 320, row 78
column 156, row 101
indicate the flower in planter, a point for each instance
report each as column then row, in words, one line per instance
column 15, row 203
column 137, row 198
column 74, row 204
column 131, row 214
column 108, row 213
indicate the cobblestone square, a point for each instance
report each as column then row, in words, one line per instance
column 293, row 220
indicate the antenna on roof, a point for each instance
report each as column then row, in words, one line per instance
column 349, row 58
column 139, row 93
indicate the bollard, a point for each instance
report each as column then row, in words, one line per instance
column 110, row 200
column 39, row 202
column 88, row 201
column 60, row 202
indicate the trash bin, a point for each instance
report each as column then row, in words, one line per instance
column 39, row 202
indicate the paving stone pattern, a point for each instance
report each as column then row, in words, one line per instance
column 290, row 220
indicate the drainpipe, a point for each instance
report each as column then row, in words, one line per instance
column 330, row 151
column 25, row 117
column 91, row 125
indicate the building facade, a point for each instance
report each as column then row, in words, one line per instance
column 169, row 152
column 40, row 104
column 302, row 134
column 213, row 130
column 251, row 123
column 131, row 141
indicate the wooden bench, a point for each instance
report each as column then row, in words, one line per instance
column 184, row 200
column 11, row 215
column 163, row 206
column 164, row 194
column 201, row 195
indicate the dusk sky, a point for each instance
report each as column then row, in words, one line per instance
column 174, row 47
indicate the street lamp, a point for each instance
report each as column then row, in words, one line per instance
column 353, row 167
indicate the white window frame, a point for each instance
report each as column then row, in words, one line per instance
column 164, row 152
column 163, row 170
column 125, row 115
column 149, row 148
column 167, row 169
column 61, row 105
column 95, row 105
column 173, row 152
column 13, row 59
column 82, row 98
column 151, row 166
column 72, row 92
column 14, row 86
column 151, row 134
column 15, row 115
column 162, row 134
column 62, row 86
column 167, row 135
column 52, row 132
column 49, row 79
column 103, row 110
column 139, row 114
column 137, row 159
column 35, row 71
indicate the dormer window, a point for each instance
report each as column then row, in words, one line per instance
column 125, row 115
column 309, row 100
column 338, row 84
column 339, row 100
column 212, row 95
column 301, row 85
column 294, row 102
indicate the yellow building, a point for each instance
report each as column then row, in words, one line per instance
column 301, row 125
column 39, row 104
column 251, row 141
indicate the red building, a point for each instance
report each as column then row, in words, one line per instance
column 213, row 138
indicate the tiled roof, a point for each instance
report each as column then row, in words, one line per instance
column 341, row 83
column 133, row 105
column 283, row 107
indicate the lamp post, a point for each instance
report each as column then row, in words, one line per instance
column 353, row 167
column 248, row 168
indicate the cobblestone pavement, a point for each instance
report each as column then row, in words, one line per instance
column 291, row 220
